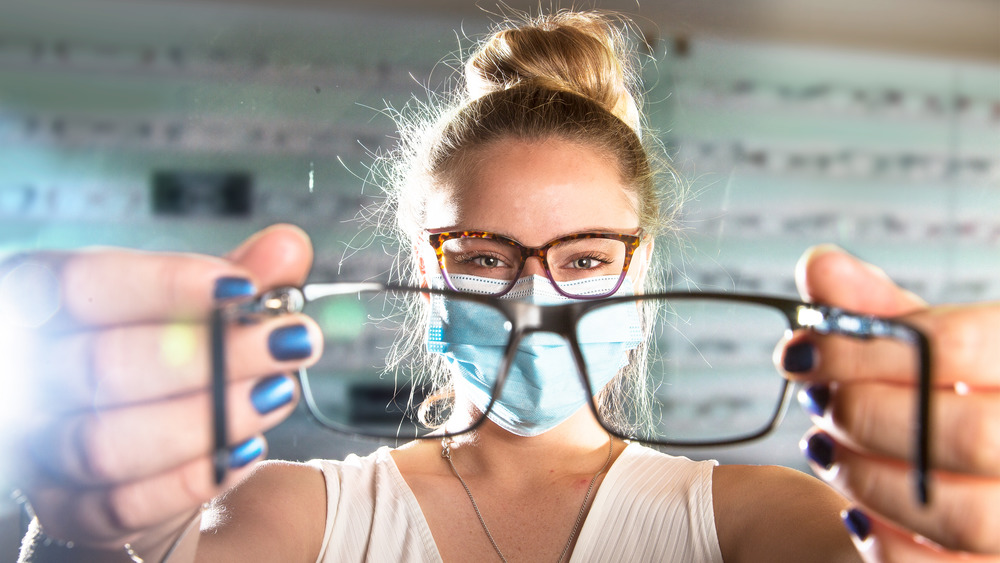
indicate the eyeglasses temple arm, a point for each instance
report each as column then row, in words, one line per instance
column 277, row 301
column 830, row 320
column 220, row 438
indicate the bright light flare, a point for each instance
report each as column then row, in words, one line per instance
column 29, row 297
column 809, row 317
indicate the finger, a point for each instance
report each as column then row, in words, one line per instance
column 963, row 352
column 103, row 448
column 879, row 541
column 961, row 514
column 103, row 287
column 111, row 515
column 879, row 418
column 826, row 274
column 276, row 256
column 122, row 365
column 843, row 358
column 118, row 286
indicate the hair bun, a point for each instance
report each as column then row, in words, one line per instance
column 579, row 52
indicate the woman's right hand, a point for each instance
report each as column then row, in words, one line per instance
column 114, row 444
column 863, row 395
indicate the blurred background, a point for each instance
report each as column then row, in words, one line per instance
column 182, row 125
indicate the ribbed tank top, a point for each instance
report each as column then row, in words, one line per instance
column 650, row 507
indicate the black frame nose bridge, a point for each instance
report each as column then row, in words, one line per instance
column 558, row 319
column 529, row 318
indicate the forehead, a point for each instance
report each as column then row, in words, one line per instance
column 534, row 191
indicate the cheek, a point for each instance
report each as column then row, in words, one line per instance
column 427, row 262
column 637, row 278
column 639, row 266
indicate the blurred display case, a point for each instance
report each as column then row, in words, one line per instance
column 894, row 157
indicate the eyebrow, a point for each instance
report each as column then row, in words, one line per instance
column 605, row 230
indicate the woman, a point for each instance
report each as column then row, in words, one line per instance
column 546, row 145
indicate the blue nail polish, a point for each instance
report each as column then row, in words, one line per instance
column 857, row 523
column 272, row 393
column 819, row 448
column 290, row 343
column 799, row 358
column 815, row 398
column 233, row 287
column 246, row 452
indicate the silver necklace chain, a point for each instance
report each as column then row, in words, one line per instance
column 446, row 453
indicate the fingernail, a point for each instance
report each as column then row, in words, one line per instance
column 799, row 358
column 246, row 452
column 819, row 448
column 290, row 343
column 272, row 393
column 233, row 287
column 857, row 523
column 815, row 398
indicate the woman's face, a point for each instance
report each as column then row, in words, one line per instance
column 534, row 192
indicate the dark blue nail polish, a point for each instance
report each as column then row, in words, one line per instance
column 857, row 523
column 819, row 448
column 272, row 393
column 290, row 343
column 799, row 358
column 815, row 398
column 233, row 287
column 246, row 452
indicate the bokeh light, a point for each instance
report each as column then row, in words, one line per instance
column 342, row 318
column 178, row 346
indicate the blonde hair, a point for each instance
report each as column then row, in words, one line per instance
column 569, row 51
column 567, row 75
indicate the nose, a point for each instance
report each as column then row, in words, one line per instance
column 533, row 267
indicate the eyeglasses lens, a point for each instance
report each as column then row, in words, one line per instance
column 708, row 375
column 374, row 377
column 569, row 261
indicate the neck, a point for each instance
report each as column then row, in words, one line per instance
column 578, row 445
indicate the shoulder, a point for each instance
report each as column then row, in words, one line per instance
column 663, row 479
column 767, row 513
column 661, row 503
column 640, row 459
column 276, row 495
column 664, row 490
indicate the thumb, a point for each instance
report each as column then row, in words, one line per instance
column 829, row 275
column 278, row 255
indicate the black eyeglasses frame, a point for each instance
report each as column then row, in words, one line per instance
column 527, row 318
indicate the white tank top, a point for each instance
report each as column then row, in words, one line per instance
column 650, row 507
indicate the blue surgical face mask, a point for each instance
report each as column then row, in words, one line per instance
column 543, row 386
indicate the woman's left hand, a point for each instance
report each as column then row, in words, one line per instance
column 863, row 394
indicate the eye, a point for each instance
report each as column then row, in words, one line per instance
column 487, row 261
column 587, row 262
column 484, row 261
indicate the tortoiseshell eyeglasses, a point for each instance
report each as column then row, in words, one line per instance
column 567, row 260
